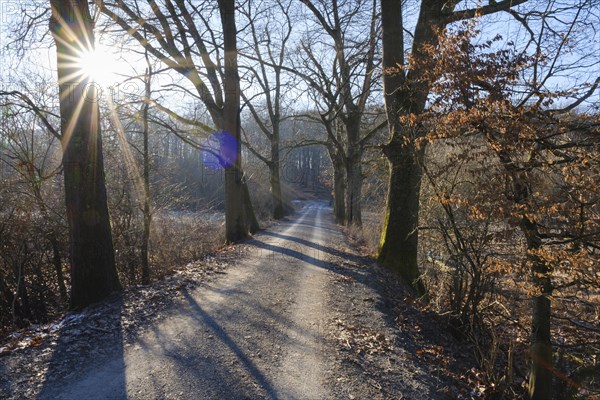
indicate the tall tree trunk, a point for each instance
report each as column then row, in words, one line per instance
column 279, row 208
column 405, row 93
column 399, row 241
column 252, row 224
column 93, row 271
column 239, row 214
column 316, row 170
column 353, row 164
column 276, row 193
column 235, row 226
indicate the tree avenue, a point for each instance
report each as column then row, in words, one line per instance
column 345, row 85
column 481, row 197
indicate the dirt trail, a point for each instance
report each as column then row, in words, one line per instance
column 254, row 333
column 302, row 370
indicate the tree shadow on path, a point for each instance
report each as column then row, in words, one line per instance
column 209, row 321
column 91, row 338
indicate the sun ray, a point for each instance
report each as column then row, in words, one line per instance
column 68, row 133
column 131, row 164
column 75, row 42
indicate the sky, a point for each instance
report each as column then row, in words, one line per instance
column 39, row 61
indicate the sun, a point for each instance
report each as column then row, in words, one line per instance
column 100, row 65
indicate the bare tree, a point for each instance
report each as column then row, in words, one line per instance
column 343, row 87
column 146, row 203
column 270, row 29
column 186, row 42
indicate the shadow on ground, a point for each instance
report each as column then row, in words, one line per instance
column 95, row 338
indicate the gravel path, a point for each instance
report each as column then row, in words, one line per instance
column 292, row 316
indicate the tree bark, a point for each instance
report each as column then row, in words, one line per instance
column 252, row 224
column 339, row 188
column 240, row 218
column 276, row 193
column 279, row 208
column 541, row 376
column 399, row 242
column 93, row 271
column 354, row 188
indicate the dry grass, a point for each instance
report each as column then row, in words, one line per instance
column 368, row 237
column 178, row 239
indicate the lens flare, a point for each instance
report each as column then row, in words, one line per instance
column 220, row 150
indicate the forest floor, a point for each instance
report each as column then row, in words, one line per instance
column 292, row 313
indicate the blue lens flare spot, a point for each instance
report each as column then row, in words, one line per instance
column 220, row 150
